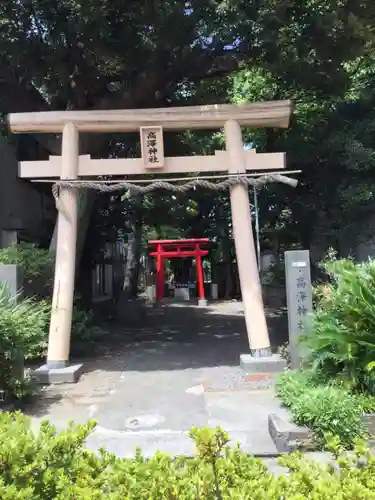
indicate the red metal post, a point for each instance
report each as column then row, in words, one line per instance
column 200, row 281
column 159, row 273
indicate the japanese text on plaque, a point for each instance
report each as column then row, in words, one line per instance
column 302, row 310
column 152, row 146
column 152, row 149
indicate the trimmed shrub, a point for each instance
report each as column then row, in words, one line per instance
column 326, row 410
column 51, row 465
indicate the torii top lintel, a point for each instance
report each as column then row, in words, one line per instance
column 190, row 241
column 265, row 114
column 178, row 248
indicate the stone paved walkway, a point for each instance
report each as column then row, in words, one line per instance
column 179, row 369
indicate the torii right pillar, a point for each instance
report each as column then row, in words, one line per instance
column 251, row 290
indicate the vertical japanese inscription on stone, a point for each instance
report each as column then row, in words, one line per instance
column 299, row 299
column 152, row 147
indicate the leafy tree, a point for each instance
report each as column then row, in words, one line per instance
column 101, row 54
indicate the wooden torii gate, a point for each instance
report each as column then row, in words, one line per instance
column 150, row 123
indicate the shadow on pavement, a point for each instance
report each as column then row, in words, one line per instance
column 164, row 339
column 178, row 336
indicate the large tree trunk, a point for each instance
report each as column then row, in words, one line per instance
column 131, row 311
column 130, row 264
column 133, row 256
column 228, row 280
column 137, row 253
column 227, row 260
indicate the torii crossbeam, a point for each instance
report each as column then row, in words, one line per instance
column 151, row 123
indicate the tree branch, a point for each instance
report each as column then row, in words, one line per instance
column 219, row 63
column 17, row 96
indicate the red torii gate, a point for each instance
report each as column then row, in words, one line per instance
column 170, row 249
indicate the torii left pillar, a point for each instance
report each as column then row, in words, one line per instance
column 57, row 368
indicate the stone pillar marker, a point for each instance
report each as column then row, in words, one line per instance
column 11, row 276
column 8, row 238
column 299, row 299
column 214, row 291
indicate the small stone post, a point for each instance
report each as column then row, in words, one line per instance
column 214, row 285
column 299, row 299
column 8, row 238
column 214, row 291
column 11, row 276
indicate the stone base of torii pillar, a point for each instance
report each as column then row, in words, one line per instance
column 60, row 375
column 202, row 302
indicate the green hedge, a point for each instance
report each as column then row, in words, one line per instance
column 326, row 409
column 51, row 465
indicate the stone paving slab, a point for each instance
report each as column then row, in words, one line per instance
column 124, row 444
column 243, row 412
column 180, row 369
column 156, row 411
column 175, row 443
column 240, row 410
column 162, row 418
column 157, row 400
